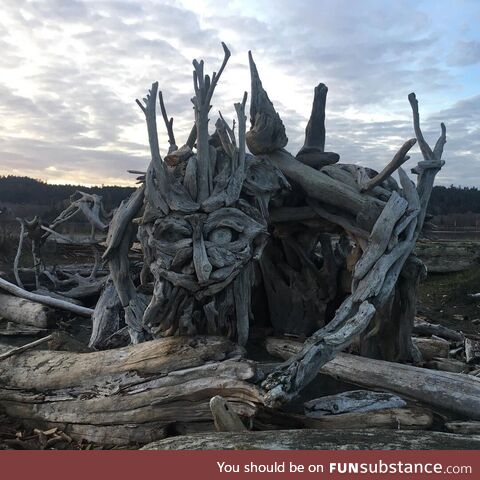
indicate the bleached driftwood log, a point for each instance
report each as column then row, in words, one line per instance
column 320, row 440
column 25, row 312
column 406, row 418
column 453, row 392
column 129, row 394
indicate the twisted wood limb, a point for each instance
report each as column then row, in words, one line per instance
column 398, row 160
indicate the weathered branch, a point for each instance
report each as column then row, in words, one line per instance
column 168, row 124
column 398, row 160
column 26, row 347
column 52, row 302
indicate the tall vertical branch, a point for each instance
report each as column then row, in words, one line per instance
column 204, row 88
column 242, row 128
column 168, row 124
column 156, row 170
column 432, row 163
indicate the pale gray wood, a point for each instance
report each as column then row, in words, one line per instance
column 130, row 394
column 320, row 440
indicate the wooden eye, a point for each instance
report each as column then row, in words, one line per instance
column 221, row 235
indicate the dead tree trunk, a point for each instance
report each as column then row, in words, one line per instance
column 127, row 395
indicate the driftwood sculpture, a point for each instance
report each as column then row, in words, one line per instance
column 205, row 215
column 230, row 238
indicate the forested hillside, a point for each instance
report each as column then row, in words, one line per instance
column 25, row 190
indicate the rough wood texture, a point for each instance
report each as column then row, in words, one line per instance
column 407, row 418
column 103, row 396
column 457, row 393
column 320, row 440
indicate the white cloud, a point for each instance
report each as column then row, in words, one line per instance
column 70, row 71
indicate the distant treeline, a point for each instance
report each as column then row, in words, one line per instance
column 25, row 190
column 450, row 200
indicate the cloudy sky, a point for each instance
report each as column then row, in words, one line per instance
column 70, row 71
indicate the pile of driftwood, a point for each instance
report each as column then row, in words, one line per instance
column 225, row 259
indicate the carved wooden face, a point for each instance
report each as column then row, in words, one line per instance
column 201, row 250
column 201, row 259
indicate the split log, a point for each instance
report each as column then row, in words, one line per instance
column 52, row 302
column 320, row 440
column 25, row 312
column 457, row 393
column 352, row 401
column 432, row 347
column 128, row 394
